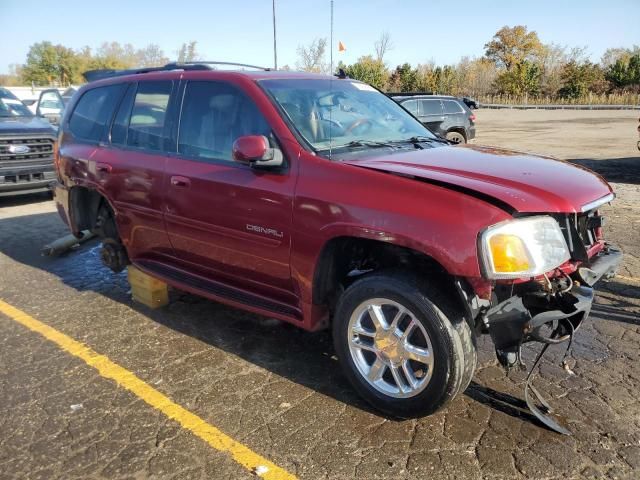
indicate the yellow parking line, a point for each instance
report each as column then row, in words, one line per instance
column 126, row 379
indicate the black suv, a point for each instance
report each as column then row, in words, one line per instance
column 26, row 148
column 446, row 116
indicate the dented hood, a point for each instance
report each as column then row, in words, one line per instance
column 526, row 183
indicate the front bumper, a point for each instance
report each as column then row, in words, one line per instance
column 525, row 316
column 26, row 180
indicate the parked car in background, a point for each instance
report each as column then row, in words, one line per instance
column 444, row 115
column 50, row 103
column 26, row 148
column 321, row 202
column 471, row 103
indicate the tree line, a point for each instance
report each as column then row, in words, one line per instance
column 57, row 65
column 516, row 65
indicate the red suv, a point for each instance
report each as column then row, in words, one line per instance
column 320, row 201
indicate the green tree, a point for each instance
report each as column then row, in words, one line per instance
column 522, row 79
column 579, row 79
column 49, row 64
column 404, row 79
column 625, row 72
column 369, row 70
column 512, row 46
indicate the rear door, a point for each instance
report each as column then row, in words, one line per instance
column 455, row 115
column 231, row 219
column 130, row 166
column 431, row 115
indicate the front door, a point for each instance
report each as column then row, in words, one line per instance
column 228, row 218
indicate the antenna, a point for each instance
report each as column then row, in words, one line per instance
column 331, row 88
column 275, row 49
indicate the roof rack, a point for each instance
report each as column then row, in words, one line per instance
column 99, row 74
column 408, row 94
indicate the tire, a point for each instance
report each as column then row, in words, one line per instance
column 450, row 344
column 456, row 137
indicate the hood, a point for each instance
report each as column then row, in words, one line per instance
column 25, row 126
column 526, row 183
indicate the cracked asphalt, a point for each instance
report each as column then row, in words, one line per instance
column 279, row 390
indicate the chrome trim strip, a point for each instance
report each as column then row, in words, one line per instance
column 596, row 203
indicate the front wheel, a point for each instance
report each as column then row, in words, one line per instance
column 398, row 348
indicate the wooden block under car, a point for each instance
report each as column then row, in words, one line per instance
column 146, row 289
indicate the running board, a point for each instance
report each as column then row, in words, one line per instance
column 211, row 288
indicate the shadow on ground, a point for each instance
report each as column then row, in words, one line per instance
column 301, row 357
column 622, row 170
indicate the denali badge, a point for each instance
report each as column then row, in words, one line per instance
column 266, row 231
column 19, row 149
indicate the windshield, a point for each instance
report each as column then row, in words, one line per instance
column 10, row 106
column 335, row 114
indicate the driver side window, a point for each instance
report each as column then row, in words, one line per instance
column 214, row 115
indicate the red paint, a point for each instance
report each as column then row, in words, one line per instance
column 262, row 231
column 250, row 147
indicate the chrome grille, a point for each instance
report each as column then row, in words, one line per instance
column 11, row 151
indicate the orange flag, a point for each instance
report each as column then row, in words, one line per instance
column 341, row 47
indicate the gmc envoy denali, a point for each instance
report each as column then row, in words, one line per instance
column 320, row 201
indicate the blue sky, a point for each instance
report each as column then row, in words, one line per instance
column 241, row 30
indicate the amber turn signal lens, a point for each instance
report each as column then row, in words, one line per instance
column 509, row 254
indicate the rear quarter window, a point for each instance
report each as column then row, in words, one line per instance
column 93, row 112
column 412, row 106
column 452, row 107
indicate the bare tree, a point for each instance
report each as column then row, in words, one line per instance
column 383, row 45
column 188, row 52
column 311, row 58
column 151, row 56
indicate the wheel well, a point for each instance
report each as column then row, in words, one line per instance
column 91, row 211
column 344, row 259
column 459, row 130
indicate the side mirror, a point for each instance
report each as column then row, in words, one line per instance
column 256, row 151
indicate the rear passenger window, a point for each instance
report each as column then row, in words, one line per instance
column 146, row 125
column 451, row 106
column 412, row 106
column 93, row 112
column 214, row 115
column 431, row 107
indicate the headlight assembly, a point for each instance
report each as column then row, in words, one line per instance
column 522, row 248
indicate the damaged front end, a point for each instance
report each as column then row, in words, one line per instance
column 547, row 308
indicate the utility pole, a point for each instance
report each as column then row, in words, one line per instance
column 331, row 39
column 275, row 49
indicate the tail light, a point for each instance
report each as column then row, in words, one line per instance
column 472, row 117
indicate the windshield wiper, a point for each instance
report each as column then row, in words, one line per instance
column 417, row 140
column 359, row 143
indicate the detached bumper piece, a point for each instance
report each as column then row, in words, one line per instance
column 549, row 316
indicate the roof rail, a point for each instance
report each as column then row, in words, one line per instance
column 99, row 74
column 207, row 62
column 408, row 94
